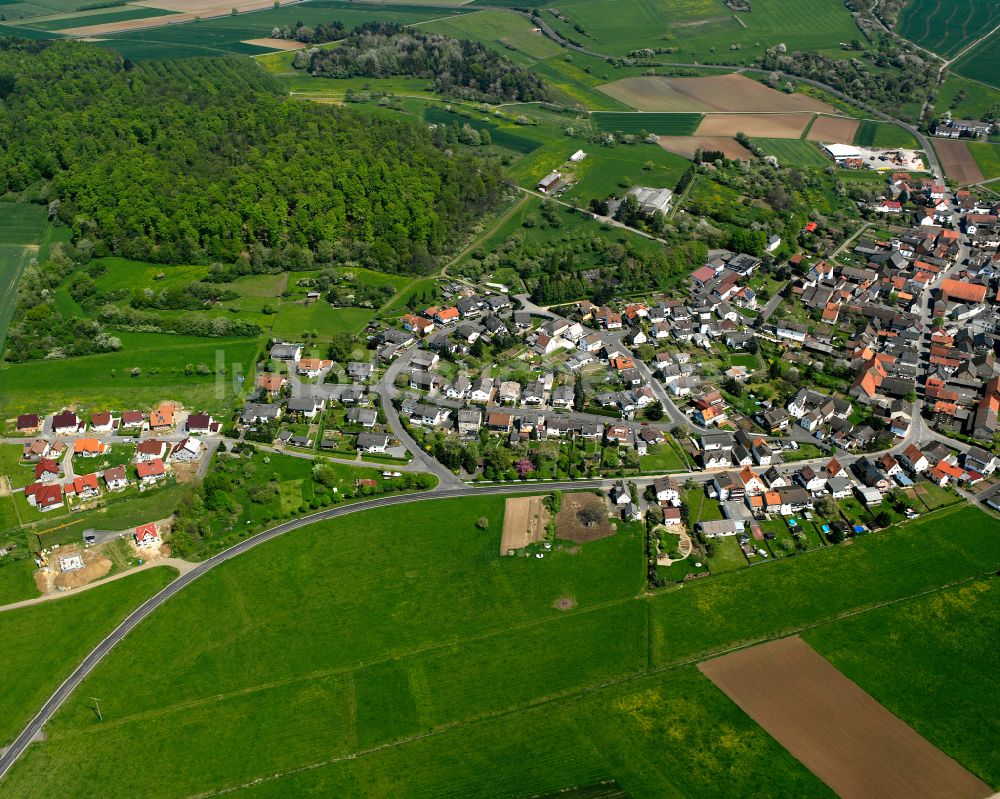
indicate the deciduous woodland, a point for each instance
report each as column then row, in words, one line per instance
column 202, row 160
column 458, row 67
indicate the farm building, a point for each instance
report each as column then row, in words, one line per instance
column 652, row 200
column 549, row 182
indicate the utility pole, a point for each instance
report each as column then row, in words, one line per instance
column 97, row 707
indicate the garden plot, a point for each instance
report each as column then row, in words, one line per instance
column 524, row 522
column 584, row 517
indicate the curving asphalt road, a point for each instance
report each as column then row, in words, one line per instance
column 13, row 753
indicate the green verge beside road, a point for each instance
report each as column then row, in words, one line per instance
column 44, row 642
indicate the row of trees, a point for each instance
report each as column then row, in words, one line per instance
column 456, row 67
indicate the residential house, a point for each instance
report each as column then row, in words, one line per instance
column 360, row 371
column 364, row 417
column 35, row 450
column 102, row 422
column 187, row 450
column 667, row 491
column 28, row 424
column 254, row 412
column 47, row 471
column 372, row 442
column 201, row 423
column 469, row 421
column 163, row 417
column 284, row 351
column 309, row 407
column 66, row 423
column 84, row 486
column 150, row 450
column 146, row 536
column 131, row 421
column 150, row 472
column 88, row 448
column 312, row 367
column 913, row 459
column 116, row 478
column 44, row 496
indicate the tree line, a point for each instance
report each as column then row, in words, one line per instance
column 456, row 67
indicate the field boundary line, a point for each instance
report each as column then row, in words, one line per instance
column 571, row 694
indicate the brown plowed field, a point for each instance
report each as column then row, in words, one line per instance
column 839, row 732
column 833, row 130
column 275, row 44
column 686, row 145
column 957, row 162
column 714, row 93
column 524, row 522
column 769, row 126
column 189, row 9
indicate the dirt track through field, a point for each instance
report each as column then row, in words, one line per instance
column 686, row 146
column 833, row 130
column 770, row 126
column 835, row 729
column 721, row 93
column 957, row 162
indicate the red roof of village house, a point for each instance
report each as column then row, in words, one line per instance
column 703, row 274
column 150, row 469
column 948, row 469
column 144, row 531
column 46, row 496
column 81, row 484
column 46, row 466
column 966, row 292
column 28, row 421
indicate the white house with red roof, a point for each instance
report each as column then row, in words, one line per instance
column 146, row 535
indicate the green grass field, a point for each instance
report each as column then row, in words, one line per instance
column 293, row 319
column 604, row 169
column 947, row 26
column 102, row 381
column 794, row 153
column 24, row 9
column 637, row 122
column 940, row 692
column 44, row 642
column 965, row 98
column 225, row 35
column 436, row 657
column 368, row 656
column 513, row 35
column 987, row 155
column 704, row 30
column 86, row 18
column 22, row 223
column 883, row 134
column 982, row 63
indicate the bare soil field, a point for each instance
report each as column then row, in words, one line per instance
column 957, row 162
column 584, row 517
column 275, row 44
column 524, row 520
column 833, row 130
column 714, row 93
column 835, row 729
column 189, row 10
column 686, row 145
column 769, row 126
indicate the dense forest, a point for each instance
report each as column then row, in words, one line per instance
column 205, row 160
column 458, row 67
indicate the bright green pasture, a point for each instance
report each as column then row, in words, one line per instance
column 406, row 624
column 105, row 380
column 932, row 551
column 704, row 30
column 966, row 99
column 931, row 661
column 43, row 643
column 947, row 26
column 883, row 134
column 604, row 169
column 987, row 155
column 982, row 63
column 511, row 33
column 794, row 152
column 294, row 319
